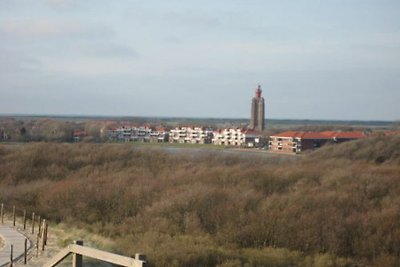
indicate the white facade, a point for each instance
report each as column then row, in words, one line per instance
column 191, row 135
column 235, row 137
column 187, row 135
column 142, row 133
column 228, row 137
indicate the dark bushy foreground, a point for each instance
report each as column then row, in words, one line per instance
column 339, row 206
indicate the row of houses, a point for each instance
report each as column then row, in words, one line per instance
column 187, row 135
column 292, row 142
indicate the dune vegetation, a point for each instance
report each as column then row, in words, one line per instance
column 338, row 206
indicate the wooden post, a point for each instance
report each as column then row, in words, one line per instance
column 14, row 216
column 25, row 250
column 33, row 223
column 11, row 256
column 37, row 245
column 141, row 257
column 24, row 219
column 45, row 233
column 76, row 258
column 42, row 228
column 40, row 225
column 2, row 213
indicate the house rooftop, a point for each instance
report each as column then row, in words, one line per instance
column 321, row 135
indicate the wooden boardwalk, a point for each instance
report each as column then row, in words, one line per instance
column 11, row 237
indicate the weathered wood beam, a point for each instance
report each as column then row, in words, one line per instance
column 97, row 254
column 103, row 255
column 58, row 257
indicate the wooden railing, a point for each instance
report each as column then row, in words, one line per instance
column 35, row 235
column 78, row 250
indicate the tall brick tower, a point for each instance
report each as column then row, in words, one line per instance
column 257, row 115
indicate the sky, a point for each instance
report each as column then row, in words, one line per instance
column 314, row 59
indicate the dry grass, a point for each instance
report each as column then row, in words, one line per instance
column 338, row 206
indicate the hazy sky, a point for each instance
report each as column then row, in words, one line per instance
column 315, row 59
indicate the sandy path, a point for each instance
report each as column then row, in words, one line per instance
column 1, row 242
column 11, row 237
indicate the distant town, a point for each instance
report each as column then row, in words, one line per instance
column 251, row 136
column 241, row 133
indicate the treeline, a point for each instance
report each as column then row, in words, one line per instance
column 50, row 129
column 61, row 129
column 339, row 206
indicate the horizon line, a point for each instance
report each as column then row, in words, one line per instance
column 177, row 117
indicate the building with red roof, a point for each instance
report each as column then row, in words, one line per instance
column 393, row 132
column 77, row 134
column 295, row 142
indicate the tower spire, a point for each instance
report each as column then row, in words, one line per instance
column 258, row 91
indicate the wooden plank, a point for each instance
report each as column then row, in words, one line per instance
column 105, row 256
column 95, row 254
column 58, row 257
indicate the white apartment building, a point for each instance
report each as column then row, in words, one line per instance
column 141, row 134
column 236, row 137
column 191, row 135
column 159, row 135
